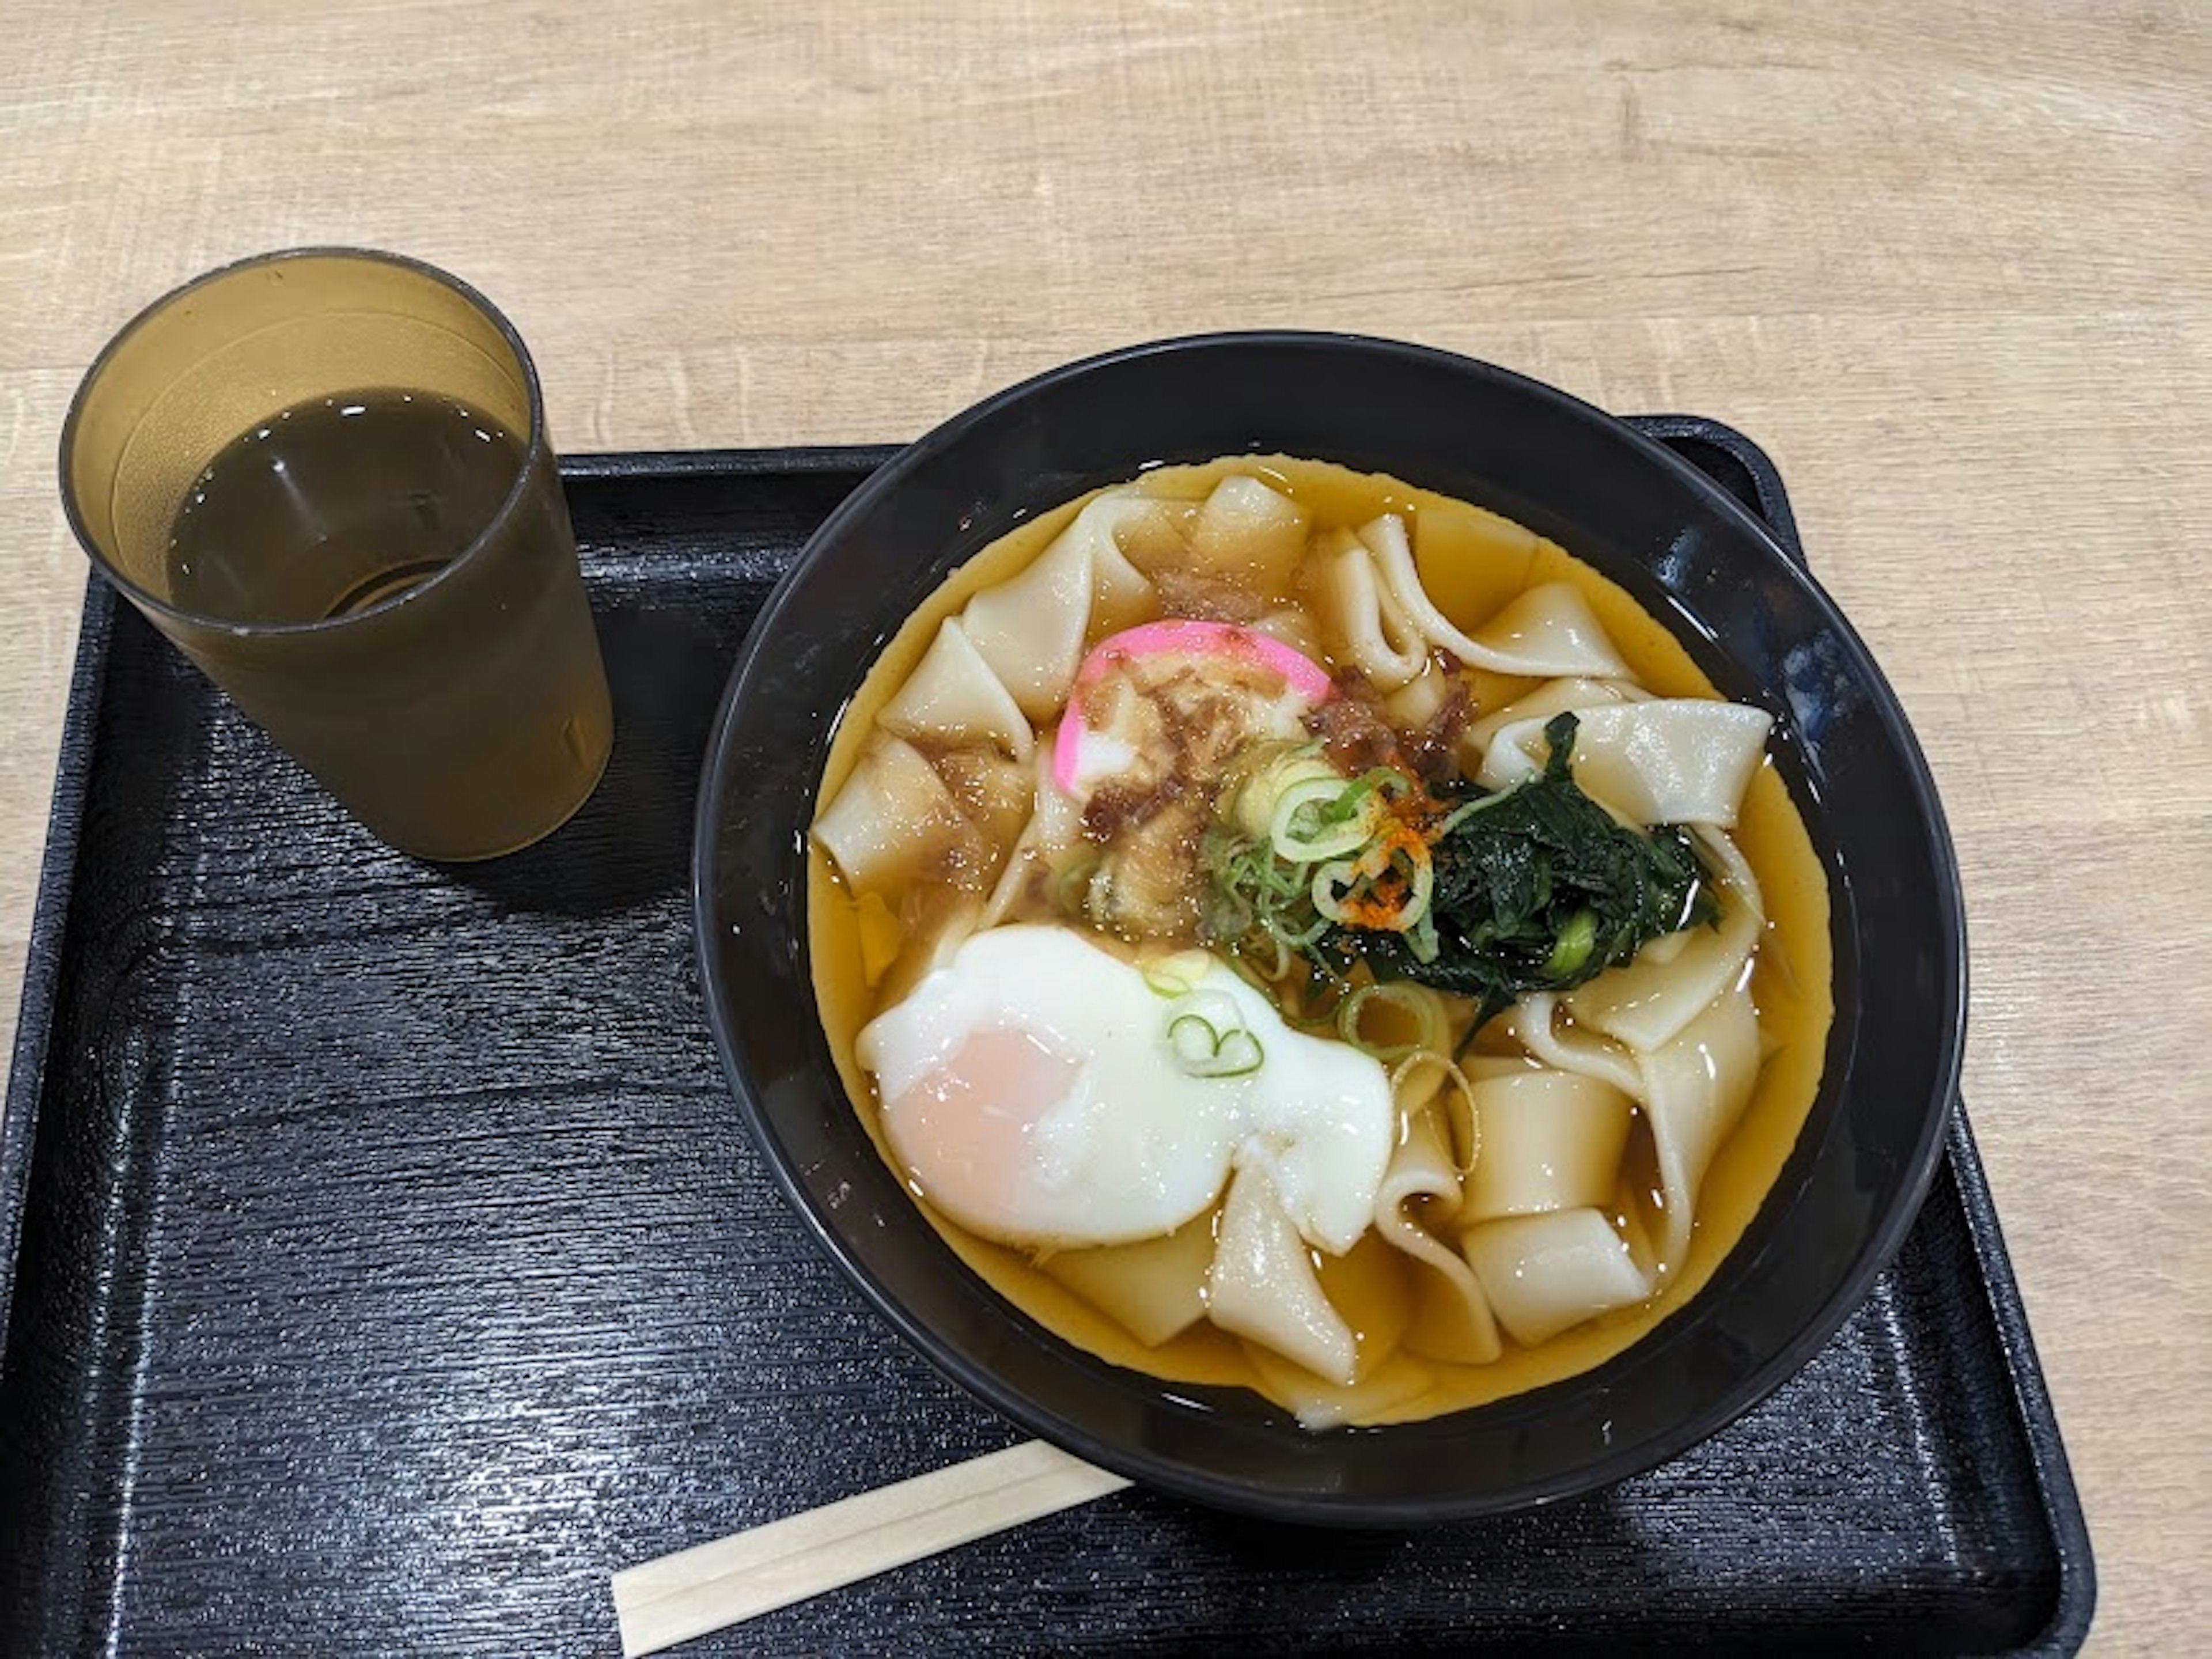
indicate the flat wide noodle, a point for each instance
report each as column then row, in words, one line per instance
column 1694, row 1090
column 1412, row 705
column 893, row 814
column 1645, row 1003
column 1551, row 1140
column 1362, row 618
column 1006, row 661
column 1666, row 760
column 1451, row 1318
column 1552, row 697
column 1263, row 1286
column 1546, row 631
column 1546, row 1272
column 1048, row 841
column 1294, row 628
column 1549, row 629
column 1321, row 1405
column 1250, row 534
column 954, row 697
column 1031, row 629
column 1693, row 1087
column 1570, row 1049
column 1155, row 1290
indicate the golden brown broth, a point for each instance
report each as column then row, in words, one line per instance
column 1472, row 562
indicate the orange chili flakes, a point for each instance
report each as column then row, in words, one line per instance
column 1384, row 908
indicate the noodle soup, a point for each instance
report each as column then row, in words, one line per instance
column 1291, row 930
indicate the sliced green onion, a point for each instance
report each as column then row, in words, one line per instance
column 1208, row 1038
column 1424, row 1006
column 1274, row 771
column 1295, row 939
column 1460, row 815
column 1331, row 883
column 1203, row 1049
column 1423, row 889
column 1421, row 937
column 1572, row 947
column 1177, row 975
column 1322, row 817
column 1334, row 883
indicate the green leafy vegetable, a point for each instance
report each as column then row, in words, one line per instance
column 1487, row 895
column 1538, row 888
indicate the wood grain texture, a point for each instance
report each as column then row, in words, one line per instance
column 1952, row 265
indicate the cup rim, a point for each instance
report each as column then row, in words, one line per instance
column 537, row 448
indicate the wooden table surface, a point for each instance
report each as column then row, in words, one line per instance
column 1952, row 265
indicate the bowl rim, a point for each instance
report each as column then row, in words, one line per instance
column 1157, row 1470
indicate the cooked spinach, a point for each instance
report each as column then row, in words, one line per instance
column 1538, row 888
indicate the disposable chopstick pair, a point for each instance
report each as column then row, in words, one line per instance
column 712, row 1586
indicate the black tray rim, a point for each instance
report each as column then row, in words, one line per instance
column 2075, row 1603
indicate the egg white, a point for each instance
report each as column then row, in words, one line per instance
column 1031, row 1092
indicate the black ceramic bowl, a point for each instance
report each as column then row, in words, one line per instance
column 1758, row 625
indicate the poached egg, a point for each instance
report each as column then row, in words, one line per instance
column 1041, row 1091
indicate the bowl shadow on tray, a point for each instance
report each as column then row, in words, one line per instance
column 630, row 843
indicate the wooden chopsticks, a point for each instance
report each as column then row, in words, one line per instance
column 706, row 1588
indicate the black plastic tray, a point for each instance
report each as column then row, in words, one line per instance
column 388, row 1264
